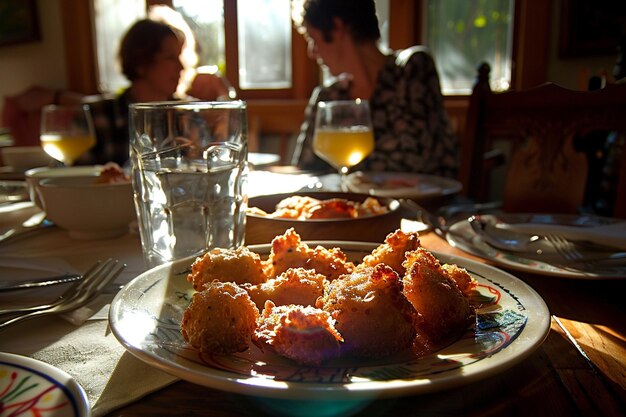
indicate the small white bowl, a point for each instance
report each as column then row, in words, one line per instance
column 86, row 209
column 21, row 158
column 36, row 175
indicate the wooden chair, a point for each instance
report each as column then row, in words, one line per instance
column 543, row 173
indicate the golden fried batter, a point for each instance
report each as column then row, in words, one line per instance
column 288, row 251
column 294, row 286
column 392, row 252
column 304, row 334
column 294, row 207
column 443, row 312
column 462, row 278
column 239, row 265
column 304, row 207
column 220, row 319
column 372, row 314
column 371, row 206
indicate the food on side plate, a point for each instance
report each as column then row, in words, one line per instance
column 111, row 173
column 288, row 251
column 303, row 333
column 371, row 312
column 220, row 319
column 309, row 208
column 294, row 286
column 313, row 305
column 239, row 265
column 443, row 312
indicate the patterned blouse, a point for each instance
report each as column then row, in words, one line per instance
column 411, row 128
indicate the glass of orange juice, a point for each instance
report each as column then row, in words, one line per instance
column 343, row 133
column 67, row 132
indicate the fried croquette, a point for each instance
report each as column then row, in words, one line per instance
column 371, row 206
column 305, row 207
column 392, row 251
column 304, row 334
column 294, row 207
column 239, row 265
column 220, row 319
column 294, row 286
column 462, row 278
column 288, row 251
column 442, row 311
column 372, row 315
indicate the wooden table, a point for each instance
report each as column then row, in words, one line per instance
column 580, row 370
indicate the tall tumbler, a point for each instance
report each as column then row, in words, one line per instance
column 189, row 174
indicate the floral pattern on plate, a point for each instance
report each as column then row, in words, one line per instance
column 34, row 388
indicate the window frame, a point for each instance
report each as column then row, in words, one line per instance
column 529, row 68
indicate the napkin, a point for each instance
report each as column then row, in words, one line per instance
column 110, row 376
column 613, row 235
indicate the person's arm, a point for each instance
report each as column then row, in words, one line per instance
column 207, row 86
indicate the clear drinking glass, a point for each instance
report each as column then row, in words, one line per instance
column 189, row 174
column 343, row 133
column 67, row 132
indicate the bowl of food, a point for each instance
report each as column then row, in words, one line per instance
column 35, row 175
column 319, row 215
column 89, row 207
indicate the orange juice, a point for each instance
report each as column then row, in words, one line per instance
column 66, row 148
column 343, row 148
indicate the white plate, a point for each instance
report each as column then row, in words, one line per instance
column 259, row 159
column 145, row 317
column 401, row 185
column 462, row 236
column 35, row 388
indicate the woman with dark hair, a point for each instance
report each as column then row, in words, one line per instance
column 149, row 57
column 411, row 129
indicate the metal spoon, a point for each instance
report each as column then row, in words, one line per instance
column 36, row 222
column 502, row 239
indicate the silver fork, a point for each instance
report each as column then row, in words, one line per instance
column 565, row 248
column 80, row 294
column 613, row 263
column 69, row 293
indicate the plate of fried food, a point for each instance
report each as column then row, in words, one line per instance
column 319, row 215
column 329, row 320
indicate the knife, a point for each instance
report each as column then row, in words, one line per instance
column 40, row 282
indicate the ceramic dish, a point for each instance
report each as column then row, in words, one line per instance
column 542, row 257
column 35, row 388
column 36, row 175
column 367, row 228
column 86, row 209
column 21, row 158
column 145, row 317
column 402, row 185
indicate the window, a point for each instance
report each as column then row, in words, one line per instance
column 254, row 44
column 112, row 18
column 463, row 33
column 264, row 44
